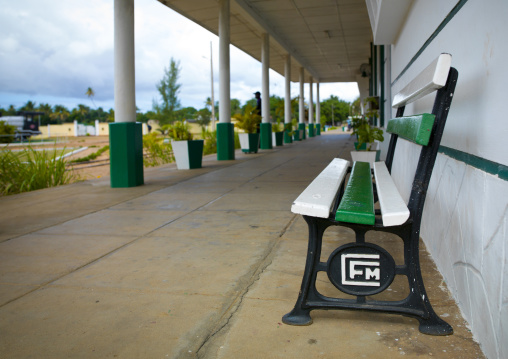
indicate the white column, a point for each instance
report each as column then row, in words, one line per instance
column 125, row 96
column 287, row 99
column 301, row 106
column 75, row 128
column 224, row 68
column 96, row 127
column 265, row 79
column 311, row 101
column 318, row 105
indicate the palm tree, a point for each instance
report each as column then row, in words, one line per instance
column 29, row 106
column 60, row 114
column 90, row 93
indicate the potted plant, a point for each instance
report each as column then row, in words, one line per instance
column 188, row 152
column 288, row 133
column 278, row 133
column 248, row 122
column 297, row 133
column 366, row 147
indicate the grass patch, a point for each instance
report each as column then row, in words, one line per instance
column 91, row 156
column 26, row 156
column 156, row 152
column 41, row 169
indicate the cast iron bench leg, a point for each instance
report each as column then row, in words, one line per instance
column 300, row 315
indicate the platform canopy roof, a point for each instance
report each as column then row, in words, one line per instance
column 330, row 39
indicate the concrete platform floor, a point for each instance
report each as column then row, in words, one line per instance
column 197, row 263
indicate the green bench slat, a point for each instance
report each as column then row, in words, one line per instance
column 357, row 204
column 415, row 128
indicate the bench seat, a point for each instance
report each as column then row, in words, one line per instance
column 394, row 210
column 357, row 203
column 318, row 198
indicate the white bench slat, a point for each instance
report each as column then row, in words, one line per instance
column 317, row 199
column 432, row 78
column 394, row 210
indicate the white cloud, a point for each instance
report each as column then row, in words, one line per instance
column 53, row 50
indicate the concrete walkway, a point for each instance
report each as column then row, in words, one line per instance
column 200, row 263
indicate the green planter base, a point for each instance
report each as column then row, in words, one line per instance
column 225, row 141
column 126, row 154
column 278, row 138
column 318, row 129
column 301, row 126
column 287, row 137
column 311, row 130
column 265, row 140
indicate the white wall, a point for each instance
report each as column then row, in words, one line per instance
column 465, row 220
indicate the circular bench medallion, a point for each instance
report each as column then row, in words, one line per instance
column 361, row 269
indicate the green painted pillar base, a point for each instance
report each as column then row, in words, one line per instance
column 311, row 130
column 318, row 129
column 266, row 136
column 126, row 154
column 301, row 126
column 225, row 141
column 287, row 136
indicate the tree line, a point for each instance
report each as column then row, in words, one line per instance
column 168, row 109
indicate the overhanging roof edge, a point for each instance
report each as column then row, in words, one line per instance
column 280, row 40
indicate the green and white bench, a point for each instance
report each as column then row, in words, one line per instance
column 362, row 268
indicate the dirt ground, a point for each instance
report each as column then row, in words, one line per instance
column 93, row 169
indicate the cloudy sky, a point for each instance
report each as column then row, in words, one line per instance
column 51, row 51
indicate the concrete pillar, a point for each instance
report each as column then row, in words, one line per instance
column 75, row 128
column 311, row 107
column 318, row 111
column 266, row 125
column 225, row 129
column 301, row 122
column 96, row 127
column 287, row 101
column 125, row 134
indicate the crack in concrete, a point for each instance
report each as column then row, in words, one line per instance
column 235, row 305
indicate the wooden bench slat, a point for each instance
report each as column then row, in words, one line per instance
column 394, row 210
column 357, row 204
column 415, row 128
column 318, row 198
column 433, row 77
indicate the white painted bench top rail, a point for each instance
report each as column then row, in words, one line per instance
column 394, row 210
column 317, row 199
column 432, row 78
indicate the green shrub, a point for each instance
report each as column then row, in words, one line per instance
column 178, row 131
column 156, row 152
column 7, row 132
column 40, row 170
column 210, row 138
column 249, row 120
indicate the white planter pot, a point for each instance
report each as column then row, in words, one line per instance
column 249, row 142
column 364, row 156
column 188, row 154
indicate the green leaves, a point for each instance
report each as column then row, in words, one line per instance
column 39, row 169
column 365, row 132
column 249, row 120
column 178, row 131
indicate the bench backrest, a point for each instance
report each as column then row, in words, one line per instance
column 426, row 129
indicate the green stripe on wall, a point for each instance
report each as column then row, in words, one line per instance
column 441, row 26
column 477, row 162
